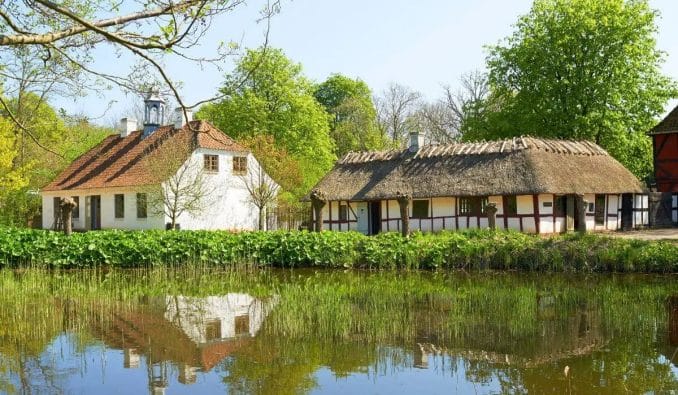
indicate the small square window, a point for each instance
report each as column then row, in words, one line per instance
column 240, row 165
column 213, row 330
column 472, row 205
column 420, row 209
column 212, row 163
column 119, row 206
column 242, row 325
column 464, row 206
column 142, row 205
column 343, row 212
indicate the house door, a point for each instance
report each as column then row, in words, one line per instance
column 362, row 217
column 375, row 217
column 627, row 211
column 95, row 212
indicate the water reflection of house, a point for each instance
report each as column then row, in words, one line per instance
column 556, row 337
column 194, row 334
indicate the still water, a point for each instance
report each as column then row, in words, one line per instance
column 275, row 332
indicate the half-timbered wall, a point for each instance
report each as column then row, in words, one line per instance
column 534, row 214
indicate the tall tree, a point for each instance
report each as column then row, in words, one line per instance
column 353, row 125
column 395, row 107
column 36, row 166
column 276, row 100
column 583, row 69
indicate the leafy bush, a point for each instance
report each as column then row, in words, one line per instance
column 471, row 250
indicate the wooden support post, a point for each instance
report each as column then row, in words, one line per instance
column 404, row 203
column 66, row 205
column 580, row 210
column 569, row 212
column 491, row 212
column 318, row 201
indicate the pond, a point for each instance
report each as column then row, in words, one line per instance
column 195, row 330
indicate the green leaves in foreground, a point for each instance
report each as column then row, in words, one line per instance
column 474, row 250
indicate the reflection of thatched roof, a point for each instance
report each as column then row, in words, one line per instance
column 668, row 124
column 516, row 166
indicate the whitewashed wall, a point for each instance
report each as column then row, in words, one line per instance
column 193, row 314
column 108, row 220
column 228, row 207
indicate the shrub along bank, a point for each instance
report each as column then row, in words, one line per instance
column 479, row 249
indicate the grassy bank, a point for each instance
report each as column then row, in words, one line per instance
column 459, row 250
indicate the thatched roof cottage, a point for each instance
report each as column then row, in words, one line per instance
column 536, row 185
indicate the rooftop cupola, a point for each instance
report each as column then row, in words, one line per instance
column 416, row 141
column 154, row 112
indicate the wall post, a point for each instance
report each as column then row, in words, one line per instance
column 318, row 201
column 580, row 209
column 404, row 203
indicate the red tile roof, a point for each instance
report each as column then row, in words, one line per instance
column 668, row 124
column 119, row 162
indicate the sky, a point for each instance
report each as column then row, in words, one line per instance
column 420, row 44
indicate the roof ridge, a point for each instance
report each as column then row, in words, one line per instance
column 483, row 147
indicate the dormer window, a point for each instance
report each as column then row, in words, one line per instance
column 240, row 165
column 211, row 163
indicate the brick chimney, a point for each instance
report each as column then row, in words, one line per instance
column 127, row 126
column 416, row 141
column 179, row 119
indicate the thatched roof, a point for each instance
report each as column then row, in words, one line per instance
column 517, row 166
column 668, row 124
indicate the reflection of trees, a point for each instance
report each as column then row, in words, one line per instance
column 506, row 329
column 517, row 331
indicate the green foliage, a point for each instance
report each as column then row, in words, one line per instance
column 473, row 250
column 354, row 118
column 268, row 94
column 25, row 165
column 582, row 69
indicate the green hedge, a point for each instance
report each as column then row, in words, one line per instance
column 479, row 249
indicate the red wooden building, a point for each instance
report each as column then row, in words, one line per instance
column 665, row 143
column 665, row 148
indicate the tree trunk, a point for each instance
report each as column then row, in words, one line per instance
column 491, row 212
column 67, row 204
column 262, row 217
column 404, row 203
column 318, row 201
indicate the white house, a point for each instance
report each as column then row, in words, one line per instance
column 131, row 179
column 534, row 183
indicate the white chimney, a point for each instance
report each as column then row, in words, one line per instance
column 127, row 126
column 179, row 119
column 416, row 141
